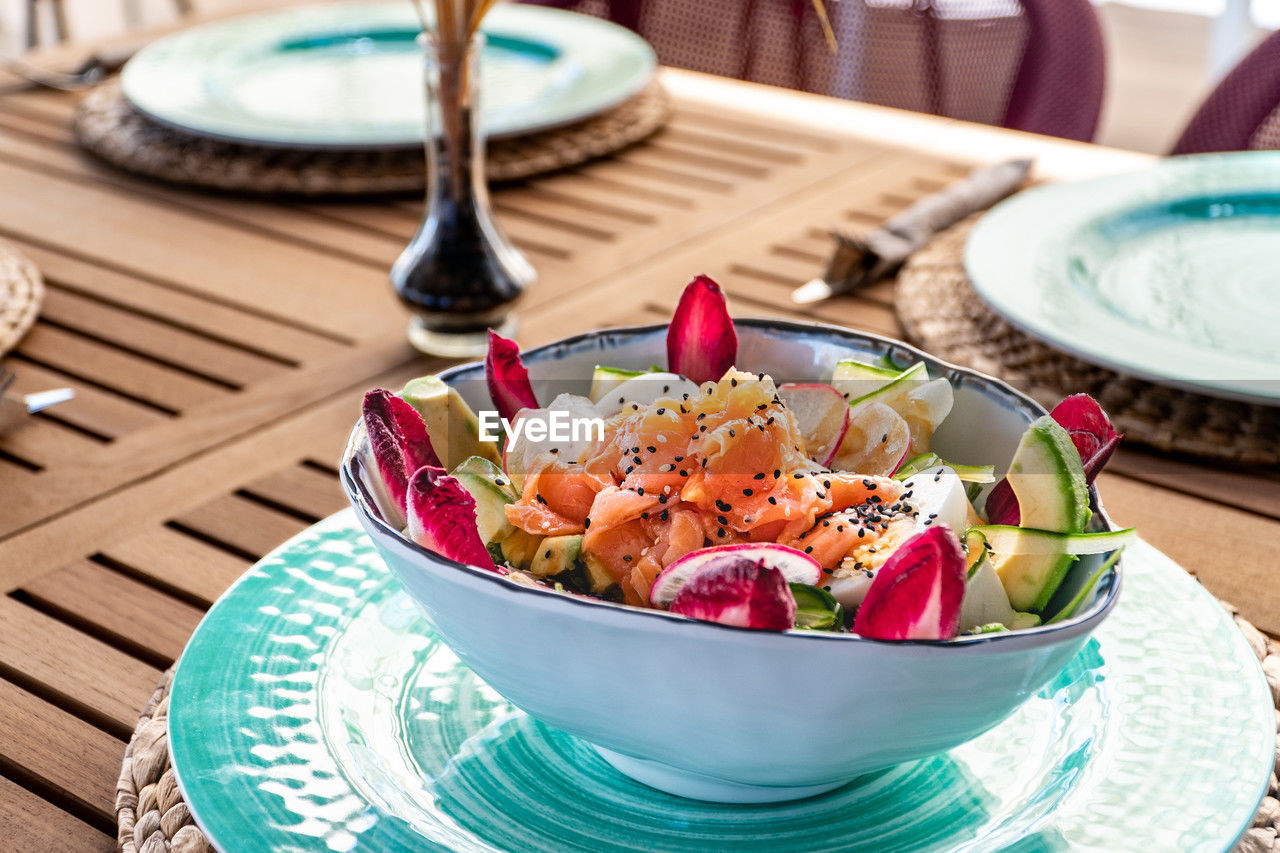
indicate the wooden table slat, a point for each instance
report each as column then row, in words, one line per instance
column 72, row 757
column 130, row 613
column 32, row 823
column 96, row 681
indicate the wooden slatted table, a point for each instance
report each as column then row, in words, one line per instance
column 219, row 347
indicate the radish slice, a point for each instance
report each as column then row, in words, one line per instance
column 644, row 390
column 1092, row 434
column 738, row 590
column 875, row 443
column 508, row 380
column 399, row 443
column 796, row 567
column 918, row 592
column 701, row 341
column 822, row 414
column 442, row 517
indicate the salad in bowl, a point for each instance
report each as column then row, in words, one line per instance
column 746, row 560
column 724, row 495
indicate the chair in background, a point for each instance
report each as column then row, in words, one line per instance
column 1243, row 112
column 1035, row 65
column 58, row 17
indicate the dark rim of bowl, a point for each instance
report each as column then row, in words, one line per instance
column 1108, row 585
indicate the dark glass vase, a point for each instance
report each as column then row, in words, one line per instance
column 459, row 275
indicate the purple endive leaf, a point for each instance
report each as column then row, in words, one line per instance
column 1090, row 430
column 1092, row 434
column 738, row 591
column 918, row 591
column 509, row 386
column 398, row 439
column 442, row 518
column 701, row 341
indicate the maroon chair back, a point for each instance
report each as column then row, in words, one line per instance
column 1243, row 111
column 1034, row 65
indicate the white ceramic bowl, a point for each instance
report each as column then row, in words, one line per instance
column 721, row 713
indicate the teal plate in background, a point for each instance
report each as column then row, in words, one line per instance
column 350, row 75
column 315, row 710
column 1171, row 274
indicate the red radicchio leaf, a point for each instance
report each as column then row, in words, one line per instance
column 1092, row 434
column 738, row 591
column 398, row 439
column 918, row 591
column 442, row 517
column 1090, row 430
column 701, row 341
column 509, row 386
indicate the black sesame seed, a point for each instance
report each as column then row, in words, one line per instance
column 665, row 515
column 773, row 500
column 626, row 558
column 721, row 519
column 640, row 490
column 586, row 522
column 662, row 411
column 759, row 476
column 547, row 555
column 651, row 449
column 798, row 476
column 777, row 472
column 808, row 549
column 720, row 532
column 747, row 492
column 732, row 434
column 644, row 515
column 666, row 388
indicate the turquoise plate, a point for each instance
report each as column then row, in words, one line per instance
column 1170, row 274
column 351, row 75
column 315, row 710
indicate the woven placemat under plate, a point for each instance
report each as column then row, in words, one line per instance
column 151, row 816
column 942, row 314
column 107, row 125
column 21, row 293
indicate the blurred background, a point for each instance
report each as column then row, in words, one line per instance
column 1162, row 56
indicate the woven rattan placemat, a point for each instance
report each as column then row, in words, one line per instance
column 109, row 127
column 152, row 817
column 21, row 292
column 943, row 315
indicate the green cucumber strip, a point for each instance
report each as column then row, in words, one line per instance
column 852, row 368
column 980, row 474
column 915, row 373
column 816, row 609
column 1074, row 604
column 1007, row 539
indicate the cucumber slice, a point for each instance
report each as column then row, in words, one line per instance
column 968, row 473
column 483, row 468
column 816, row 609
column 851, row 368
column 1005, row 540
column 491, row 506
column 605, row 379
column 892, row 393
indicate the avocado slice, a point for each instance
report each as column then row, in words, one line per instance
column 557, row 554
column 1048, row 480
column 453, row 428
column 519, row 548
column 480, row 467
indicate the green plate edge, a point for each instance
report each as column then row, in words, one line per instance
column 1018, row 258
column 236, row 815
column 149, row 74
